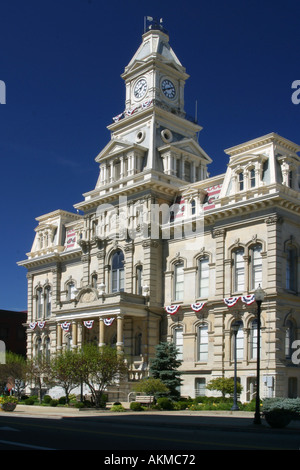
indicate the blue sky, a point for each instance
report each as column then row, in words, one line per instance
column 61, row 62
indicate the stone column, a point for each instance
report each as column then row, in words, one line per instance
column 59, row 337
column 101, row 332
column 74, row 334
column 219, row 236
column 120, row 327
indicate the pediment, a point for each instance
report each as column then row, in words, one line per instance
column 116, row 147
column 189, row 146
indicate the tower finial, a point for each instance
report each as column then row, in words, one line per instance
column 152, row 23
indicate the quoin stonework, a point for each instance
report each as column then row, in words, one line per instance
column 159, row 250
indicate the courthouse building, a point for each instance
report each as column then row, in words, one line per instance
column 159, row 250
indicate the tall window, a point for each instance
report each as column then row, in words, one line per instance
column 118, row 272
column 241, row 181
column 193, row 207
column 48, row 297
column 253, row 340
column 203, row 343
column 239, row 270
column 240, row 342
column 252, row 178
column 203, row 278
column 40, row 303
column 178, row 341
column 289, row 338
column 291, row 269
column 200, row 387
column 71, row 290
column 139, row 280
column 179, row 280
column 256, row 267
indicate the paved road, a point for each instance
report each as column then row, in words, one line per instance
column 122, row 433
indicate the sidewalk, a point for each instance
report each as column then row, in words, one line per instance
column 241, row 420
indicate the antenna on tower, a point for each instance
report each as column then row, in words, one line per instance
column 196, row 111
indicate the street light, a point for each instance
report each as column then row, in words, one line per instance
column 259, row 297
column 235, row 329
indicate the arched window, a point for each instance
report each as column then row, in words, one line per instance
column 241, row 181
column 39, row 303
column 289, row 338
column 239, row 341
column 117, row 267
column 71, row 290
column 252, row 178
column 256, row 266
column 203, row 343
column 238, row 270
column 178, row 341
column 138, row 344
column 291, row 269
column 253, row 340
column 178, row 281
column 203, row 277
column 139, row 280
column 48, row 297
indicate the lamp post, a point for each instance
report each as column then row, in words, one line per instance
column 235, row 329
column 259, row 297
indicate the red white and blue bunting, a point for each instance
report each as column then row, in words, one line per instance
column 248, row 299
column 130, row 112
column 198, row 306
column 231, row 301
column 108, row 321
column 88, row 323
column 172, row 309
column 65, row 326
column 40, row 324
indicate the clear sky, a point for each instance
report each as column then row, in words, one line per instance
column 61, row 62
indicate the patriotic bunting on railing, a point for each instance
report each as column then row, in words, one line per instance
column 197, row 306
column 65, row 326
column 172, row 309
column 231, row 301
column 88, row 323
column 117, row 118
column 146, row 104
column 248, row 299
column 108, row 321
column 40, row 324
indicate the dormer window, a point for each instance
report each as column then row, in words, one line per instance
column 241, row 181
column 252, row 178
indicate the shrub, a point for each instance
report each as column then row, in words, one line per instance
column 165, row 403
column 62, row 400
column 180, row 405
column 47, row 399
column 30, row 401
column 53, row 402
column 79, row 404
column 136, row 406
column 117, row 408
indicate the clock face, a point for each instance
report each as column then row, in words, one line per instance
column 168, row 89
column 140, row 88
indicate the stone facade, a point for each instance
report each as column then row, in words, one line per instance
column 161, row 251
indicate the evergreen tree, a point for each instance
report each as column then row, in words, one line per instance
column 165, row 367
